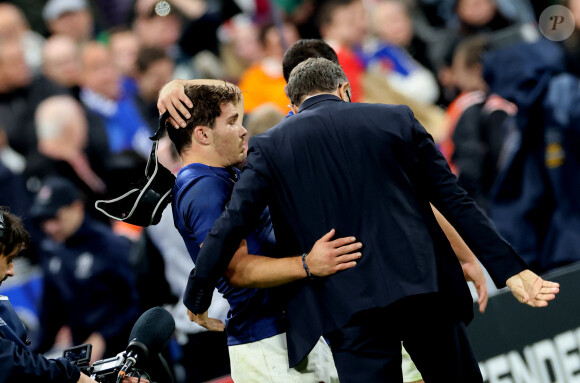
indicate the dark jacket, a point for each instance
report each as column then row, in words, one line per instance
column 368, row 170
column 18, row 363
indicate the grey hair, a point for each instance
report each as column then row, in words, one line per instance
column 315, row 75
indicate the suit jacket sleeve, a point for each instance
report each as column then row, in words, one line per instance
column 18, row 364
column 443, row 191
column 239, row 219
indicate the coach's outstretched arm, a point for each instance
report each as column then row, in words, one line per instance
column 504, row 265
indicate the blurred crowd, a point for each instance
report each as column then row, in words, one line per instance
column 79, row 81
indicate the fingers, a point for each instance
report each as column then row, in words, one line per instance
column 172, row 122
column 326, row 237
column 348, row 257
column 347, row 249
column 545, row 297
column 345, row 266
column 181, row 106
column 342, row 241
column 482, row 297
column 178, row 121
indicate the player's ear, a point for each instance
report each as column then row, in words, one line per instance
column 201, row 134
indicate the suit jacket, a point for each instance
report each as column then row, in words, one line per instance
column 368, row 170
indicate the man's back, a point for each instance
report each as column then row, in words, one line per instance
column 370, row 171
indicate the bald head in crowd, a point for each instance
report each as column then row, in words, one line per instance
column 13, row 24
column 61, row 127
column 61, row 60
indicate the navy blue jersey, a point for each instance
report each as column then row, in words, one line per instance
column 18, row 363
column 201, row 194
column 89, row 285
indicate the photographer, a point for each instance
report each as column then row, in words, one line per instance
column 17, row 362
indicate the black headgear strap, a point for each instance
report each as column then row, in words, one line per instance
column 145, row 202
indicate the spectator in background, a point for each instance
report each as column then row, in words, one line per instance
column 88, row 282
column 387, row 53
column 154, row 68
column 63, row 144
column 125, row 45
column 343, row 26
column 473, row 17
column 264, row 82
column 72, row 18
column 476, row 123
column 102, row 93
column 14, row 27
column 61, row 62
column 263, row 118
column 524, row 203
column 155, row 30
column 13, row 191
column 479, row 16
column 240, row 46
column 20, row 94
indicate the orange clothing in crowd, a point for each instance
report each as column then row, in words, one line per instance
column 354, row 69
column 264, row 83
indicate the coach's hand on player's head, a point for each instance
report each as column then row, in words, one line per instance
column 172, row 99
column 329, row 256
column 531, row 289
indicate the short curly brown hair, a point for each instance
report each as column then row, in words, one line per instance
column 207, row 101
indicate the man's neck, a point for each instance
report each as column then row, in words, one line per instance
column 197, row 158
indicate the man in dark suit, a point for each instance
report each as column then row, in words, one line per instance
column 371, row 171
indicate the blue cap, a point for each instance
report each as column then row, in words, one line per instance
column 55, row 193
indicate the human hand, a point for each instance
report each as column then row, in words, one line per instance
column 134, row 380
column 209, row 323
column 473, row 272
column 329, row 257
column 172, row 99
column 532, row 290
column 99, row 346
column 85, row 379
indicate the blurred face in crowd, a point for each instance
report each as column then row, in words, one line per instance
column 246, row 42
column 229, row 136
column 61, row 127
column 7, row 265
column 12, row 23
column 476, row 12
column 392, row 23
column 273, row 46
column 154, row 78
column 467, row 78
column 14, row 72
column 61, row 60
column 154, row 30
column 65, row 223
column 99, row 72
column 348, row 25
column 76, row 24
column 125, row 47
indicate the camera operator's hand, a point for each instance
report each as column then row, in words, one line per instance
column 209, row 323
column 99, row 346
column 85, row 379
column 134, row 380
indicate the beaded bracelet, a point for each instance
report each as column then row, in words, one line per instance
column 305, row 265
